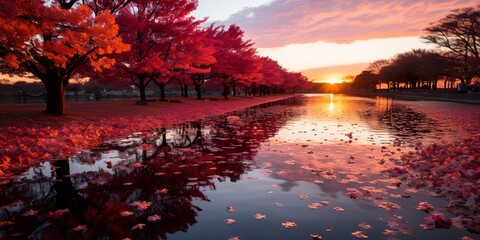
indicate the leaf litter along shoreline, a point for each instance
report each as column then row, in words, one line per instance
column 30, row 136
column 449, row 167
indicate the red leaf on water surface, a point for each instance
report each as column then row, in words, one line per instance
column 365, row 226
column 289, row 224
column 230, row 221
column 230, row 209
column 359, row 234
column 138, row 226
column 315, row 236
column 141, row 205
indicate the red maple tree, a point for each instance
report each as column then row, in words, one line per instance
column 156, row 31
column 235, row 56
column 51, row 40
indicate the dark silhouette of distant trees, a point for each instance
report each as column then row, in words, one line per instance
column 458, row 39
column 367, row 80
column 415, row 69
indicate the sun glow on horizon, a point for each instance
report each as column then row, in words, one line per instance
column 334, row 81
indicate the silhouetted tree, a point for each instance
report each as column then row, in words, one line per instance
column 459, row 34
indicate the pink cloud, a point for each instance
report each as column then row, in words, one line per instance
column 304, row 21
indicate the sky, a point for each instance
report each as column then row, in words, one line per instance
column 329, row 39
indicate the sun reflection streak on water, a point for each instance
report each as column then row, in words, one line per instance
column 331, row 106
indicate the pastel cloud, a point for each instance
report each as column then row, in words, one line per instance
column 312, row 55
column 284, row 22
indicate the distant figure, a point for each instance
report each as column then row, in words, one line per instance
column 462, row 87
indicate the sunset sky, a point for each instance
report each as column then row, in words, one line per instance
column 330, row 39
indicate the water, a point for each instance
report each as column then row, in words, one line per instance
column 245, row 175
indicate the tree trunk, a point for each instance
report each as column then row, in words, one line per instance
column 234, row 88
column 186, row 90
column 162, row 92
column 199, row 92
column 141, row 87
column 55, row 97
column 181, row 90
column 225, row 90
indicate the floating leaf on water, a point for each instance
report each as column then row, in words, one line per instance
column 234, row 238
column 339, row 209
column 230, row 221
column 365, row 225
column 325, row 203
column 153, row 218
column 138, row 226
column 303, row 196
column 389, row 232
column 278, row 204
column 314, row 205
column 315, row 236
column 411, row 190
column 424, row 206
column 162, row 191
column 387, row 205
column 126, row 213
column 80, row 228
column 259, row 216
column 359, row 234
column 230, row 209
column 141, row 205
column 289, row 224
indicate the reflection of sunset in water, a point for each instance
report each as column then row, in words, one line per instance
column 315, row 165
column 331, row 119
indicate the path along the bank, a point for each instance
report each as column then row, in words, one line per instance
column 28, row 135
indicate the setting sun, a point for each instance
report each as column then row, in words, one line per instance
column 334, row 81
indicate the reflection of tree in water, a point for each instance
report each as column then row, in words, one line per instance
column 405, row 122
column 160, row 174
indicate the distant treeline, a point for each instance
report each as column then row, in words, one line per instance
column 457, row 57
